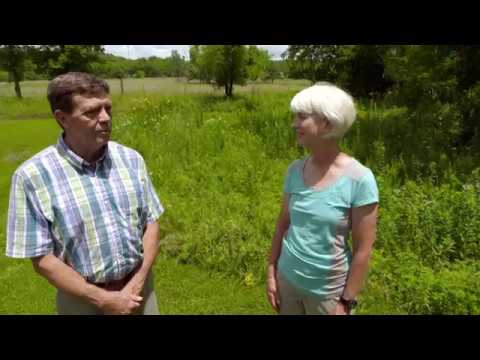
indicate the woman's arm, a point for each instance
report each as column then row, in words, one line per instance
column 364, row 228
column 281, row 227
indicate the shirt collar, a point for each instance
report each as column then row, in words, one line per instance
column 76, row 160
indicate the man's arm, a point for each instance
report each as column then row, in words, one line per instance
column 151, row 244
column 63, row 277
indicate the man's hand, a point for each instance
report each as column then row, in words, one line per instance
column 119, row 303
column 136, row 283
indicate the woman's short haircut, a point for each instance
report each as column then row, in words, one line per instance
column 328, row 101
column 61, row 89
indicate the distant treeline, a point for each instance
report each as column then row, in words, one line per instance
column 439, row 84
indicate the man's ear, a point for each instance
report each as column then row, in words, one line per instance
column 61, row 118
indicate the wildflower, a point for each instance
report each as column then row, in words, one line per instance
column 248, row 280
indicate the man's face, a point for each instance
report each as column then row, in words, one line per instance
column 90, row 122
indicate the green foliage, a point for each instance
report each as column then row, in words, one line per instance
column 13, row 58
column 176, row 64
column 227, row 64
column 111, row 67
column 58, row 59
column 258, row 63
column 230, row 66
column 315, row 62
column 365, row 70
column 401, row 284
column 218, row 165
column 430, row 131
column 4, row 76
column 140, row 74
column 275, row 70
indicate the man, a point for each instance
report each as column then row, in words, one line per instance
column 85, row 211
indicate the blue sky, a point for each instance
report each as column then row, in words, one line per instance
column 139, row 51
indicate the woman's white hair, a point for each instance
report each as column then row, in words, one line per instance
column 327, row 100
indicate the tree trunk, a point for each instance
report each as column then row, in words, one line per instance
column 230, row 88
column 121, row 86
column 18, row 90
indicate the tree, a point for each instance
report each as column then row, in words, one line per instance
column 258, row 63
column 441, row 85
column 364, row 70
column 111, row 66
column 202, row 63
column 176, row 64
column 274, row 71
column 231, row 67
column 58, row 59
column 314, row 62
column 193, row 72
column 13, row 60
column 422, row 73
column 225, row 64
column 119, row 71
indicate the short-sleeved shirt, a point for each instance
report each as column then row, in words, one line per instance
column 315, row 254
column 91, row 216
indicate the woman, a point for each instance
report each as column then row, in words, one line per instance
column 327, row 196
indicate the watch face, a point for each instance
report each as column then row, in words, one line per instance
column 351, row 304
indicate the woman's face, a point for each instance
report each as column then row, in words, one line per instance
column 309, row 128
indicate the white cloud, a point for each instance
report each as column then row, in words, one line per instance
column 142, row 51
column 274, row 50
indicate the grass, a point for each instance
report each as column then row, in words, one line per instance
column 27, row 293
column 181, row 289
column 19, row 140
column 218, row 166
column 165, row 86
column 35, row 106
column 188, row 290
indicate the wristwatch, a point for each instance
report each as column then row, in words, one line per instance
column 349, row 304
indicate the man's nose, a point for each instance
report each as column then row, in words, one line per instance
column 104, row 115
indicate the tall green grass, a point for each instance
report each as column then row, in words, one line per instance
column 218, row 166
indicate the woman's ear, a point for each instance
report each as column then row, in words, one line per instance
column 328, row 125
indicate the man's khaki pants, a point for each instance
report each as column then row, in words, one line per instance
column 71, row 305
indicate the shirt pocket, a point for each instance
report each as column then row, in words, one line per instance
column 69, row 227
column 131, row 206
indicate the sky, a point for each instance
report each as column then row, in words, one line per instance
column 139, row 51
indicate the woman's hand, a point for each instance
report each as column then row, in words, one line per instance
column 272, row 290
column 340, row 309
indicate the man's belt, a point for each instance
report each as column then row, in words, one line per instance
column 116, row 285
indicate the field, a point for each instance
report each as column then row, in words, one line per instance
column 218, row 167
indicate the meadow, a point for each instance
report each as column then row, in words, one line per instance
column 218, row 166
